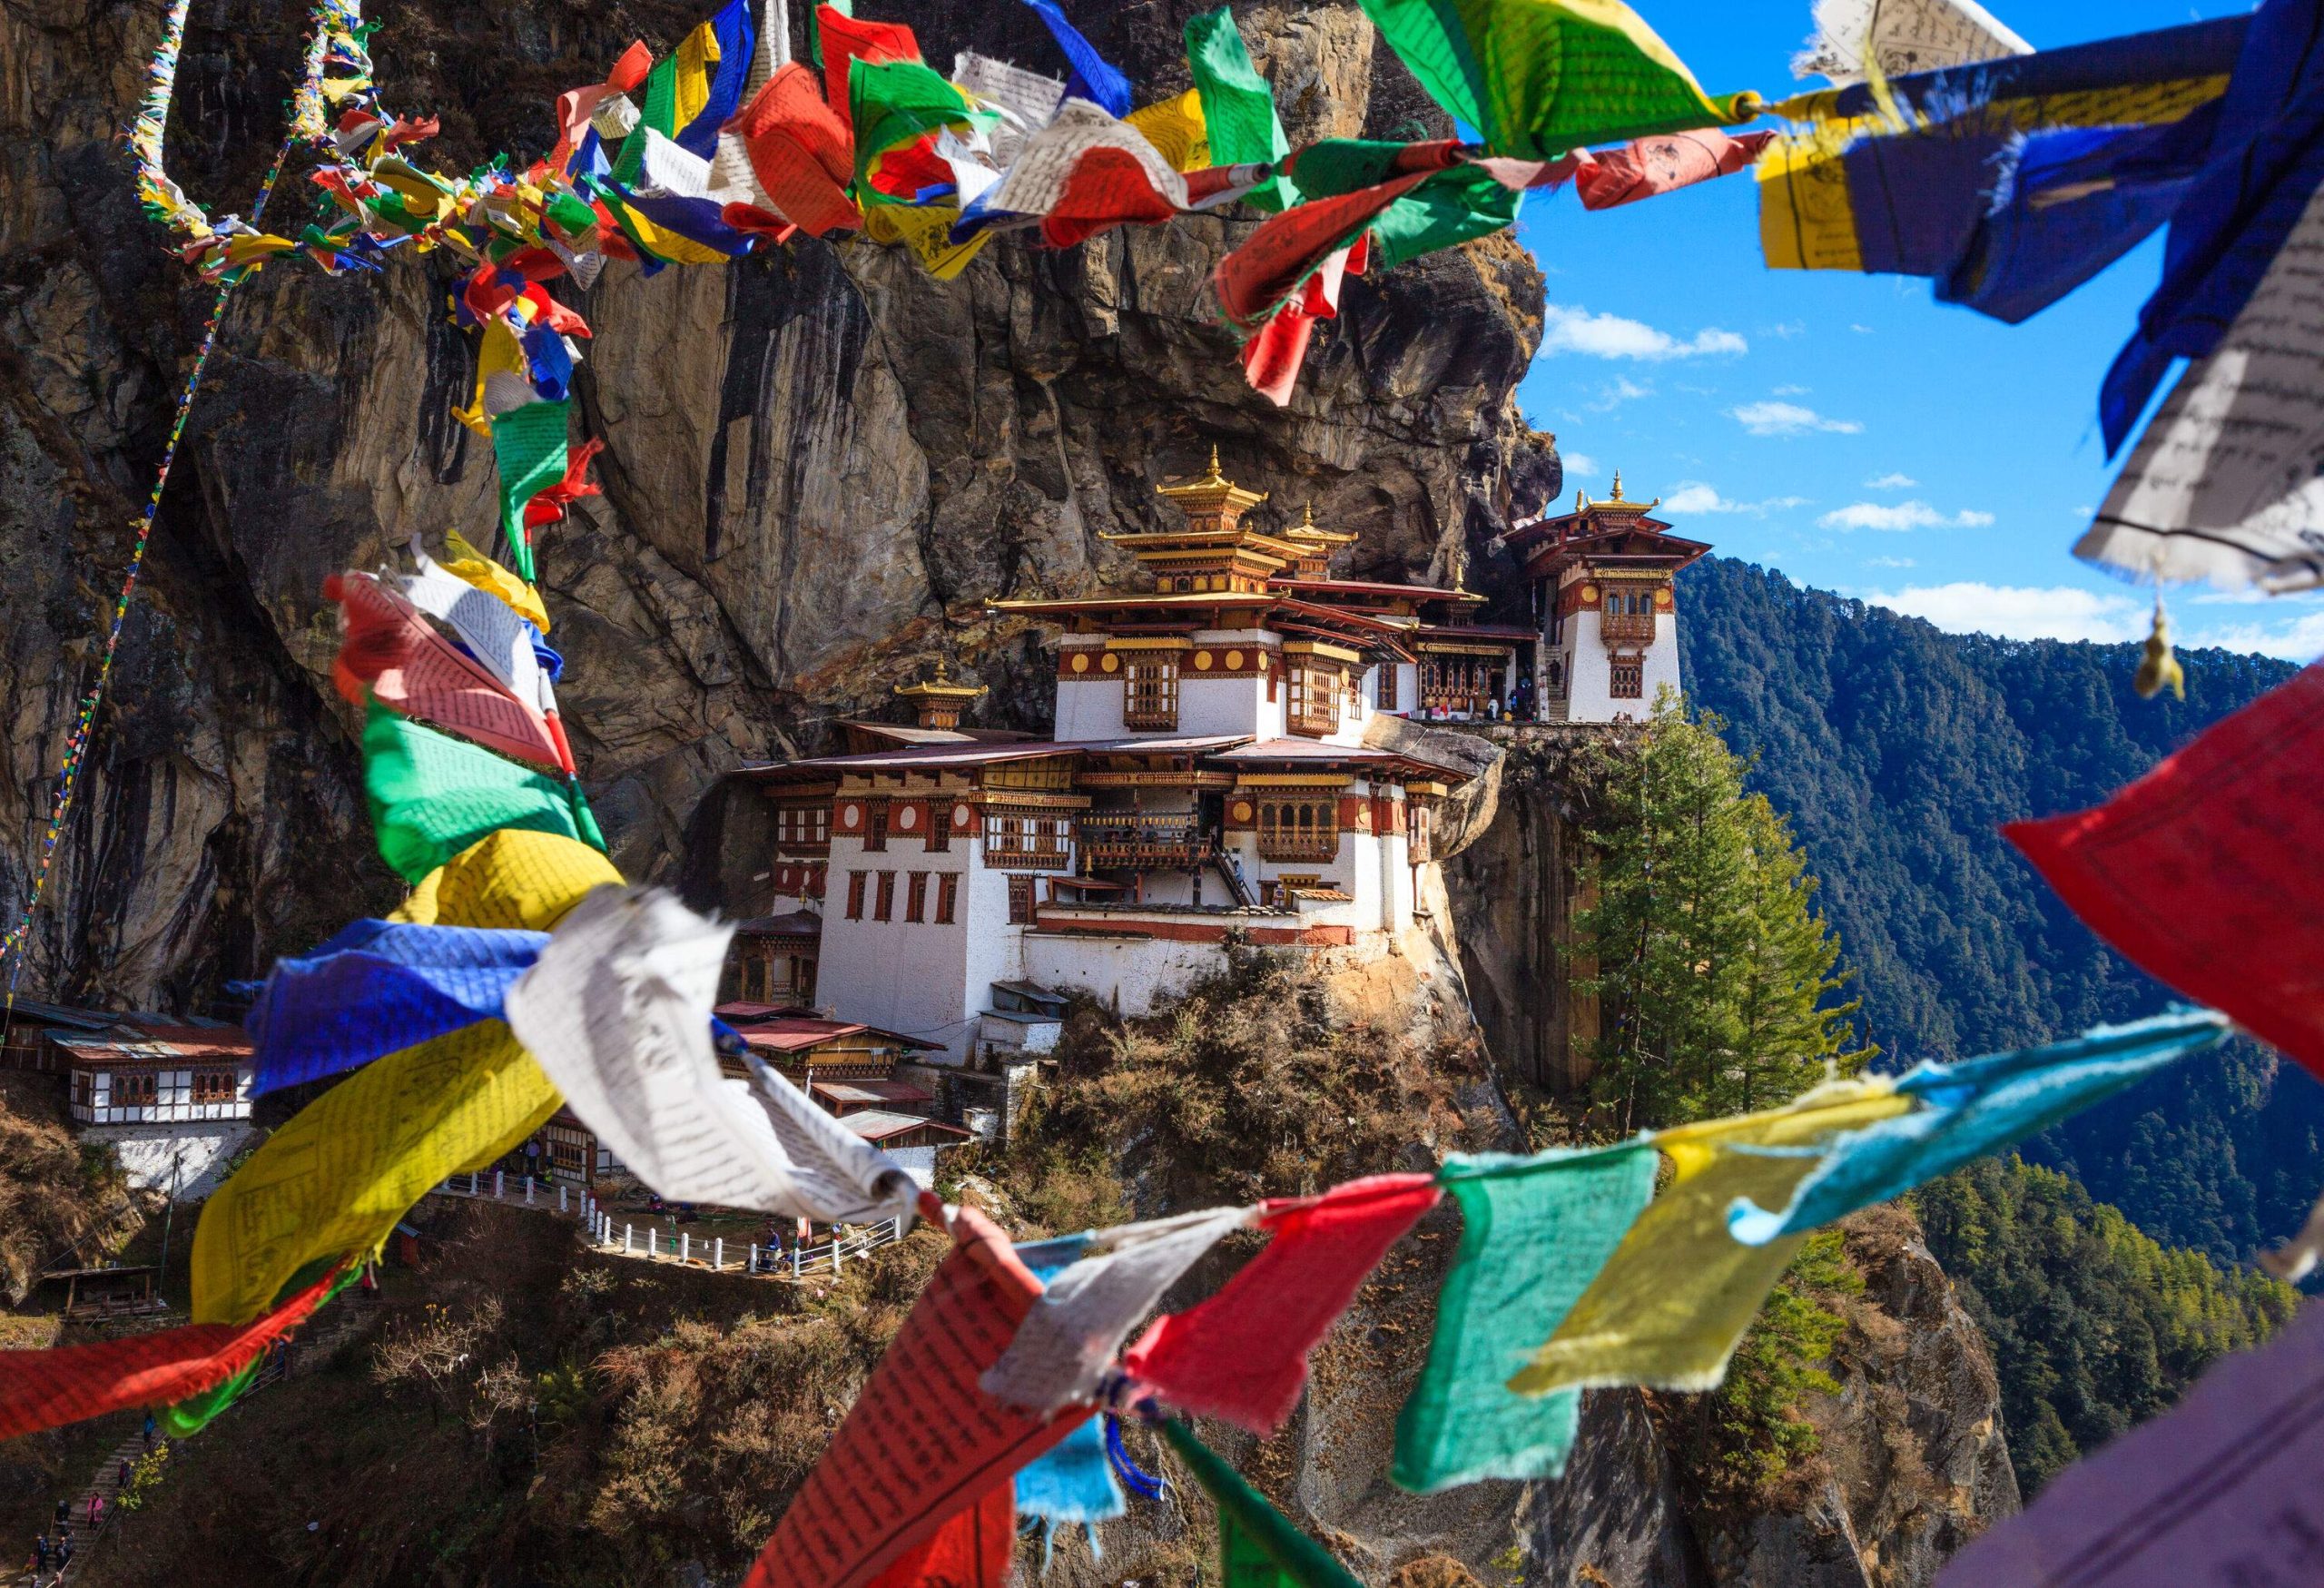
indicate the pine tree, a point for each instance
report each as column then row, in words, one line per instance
column 1714, row 975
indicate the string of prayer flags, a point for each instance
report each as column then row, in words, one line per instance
column 192, row 1414
column 1668, row 1307
column 389, row 654
column 1073, row 1484
column 1855, row 39
column 69, row 1383
column 617, row 1010
column 1351, row 183
column 1646, row 168
column 528, row 445
column 802, row 151
column 335, row 1178
column 378, row 986
column 501, row 638
column 1082, row 174
column 1534, row 1233
column 1539, row 77
column 921, row 1440
column 1972, row 1109
column 432, row 796
column 1257, row 1546
column 1068, row 1340
column 2203, row 872
column 2219, row 1489
column 1242, row 1354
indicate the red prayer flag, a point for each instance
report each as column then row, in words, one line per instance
column 1243, row 1353
column 549, row 503
column 2205, row 872
column 971, row 1550
column 801, row 151
column 848, row 39
column 1272, row 359
column 1107, row 188
column 923, row 1440
column 1650, row 166
column 1288, row 248
column 391, row 654
column 68, row 1384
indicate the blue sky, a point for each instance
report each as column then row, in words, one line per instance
column 1849, row 429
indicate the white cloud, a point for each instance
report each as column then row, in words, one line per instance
column 1787, row 418
column 1892, row 480
column 1579, row 464
column 1787, row 330
column 1791, row 391
column 2020, row 611
column 1890, row 562
column 1861, row 330
column 1609, row 336
column 1618, row 391
column 1694, row 497
column 2295, row 639
column 1912, row 515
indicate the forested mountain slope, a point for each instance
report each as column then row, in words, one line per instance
column 1897, row 751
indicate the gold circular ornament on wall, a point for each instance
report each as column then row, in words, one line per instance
column 1233, row 660
column 1081, row 661
column 1111, row 663
column 1662, row 597
column 908, row 817
column 1363, row 817
column 961, row 815
column 1589, row 592
column 851, row 815
column 1202, row 661
column 1242, row 810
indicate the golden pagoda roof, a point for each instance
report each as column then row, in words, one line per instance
column 1613, row 504
column 1212, row 490
column 1310, row 533
column 940, row 687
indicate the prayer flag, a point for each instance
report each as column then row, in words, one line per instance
column 1902, row 37
column 528, row 448
column 1081, row 174
column 1271, row 360
column 1068, row 1340
column 432, row 796
column 472, row 567
column 1668, row 1307
column 733, row 41
column 1972, row 1109
column 617, row 1010
column 1073, row 1482
column 1176, row 128
column 1257, row 1546
column 501, row 640
column 1242, row 1355
column 1277, row 260
column 2204, row 872
column 376, row 987
column 922, row 1436
column 1539, row 77
column 1238, row 111
column 971, row 1550
column 334, row 1181
column 1094, row 79
column 2222, row 1489
column 848, row 39
column 1534, row 1233
column 68, row 1384
column 801, row 151
column 1648, row 167
column 897, row 105
column 391, row 655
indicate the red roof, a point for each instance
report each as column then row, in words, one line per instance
column 157, row 1041
column 790, row 1032
column 873, row 1092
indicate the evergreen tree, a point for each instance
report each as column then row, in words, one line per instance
column 1713, row 973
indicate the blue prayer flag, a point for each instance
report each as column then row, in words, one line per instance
column 1093, row 78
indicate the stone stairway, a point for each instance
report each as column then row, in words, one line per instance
column 106, row 1486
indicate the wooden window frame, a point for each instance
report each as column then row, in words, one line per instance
column 948, row 897
column 855, row 895
column 1150, row 690
column 916, row 897
column 1028, row 840
column 215, row 1086
column 884, row 902
column 875, row 826
column 1020, row 901
column 135, row 1089
column 1387, row 690
column 939, row 827
column 1626, row 679
column 1299, row 828
column 1314, row 680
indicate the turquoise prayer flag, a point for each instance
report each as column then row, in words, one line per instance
column 1534, row 1233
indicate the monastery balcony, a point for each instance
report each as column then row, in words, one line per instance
column 1626, row 628
column 1136, row 841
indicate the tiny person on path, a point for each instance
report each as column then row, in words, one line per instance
column 149, row 1431
column 40, row 1555
column 121, row 1479
column 96, row 1508
column 63, row 1555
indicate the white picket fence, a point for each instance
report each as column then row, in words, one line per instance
column 650, row 1244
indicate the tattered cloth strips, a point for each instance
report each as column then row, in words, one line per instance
column 2205, row 872
column 376, row 987
column 617, row 1012
column 922, row 1441
column 2221, row 1489
column 1358, row 181
column 1069, row 1339
column 66, row 1384
column 432, row 796
column 1271, row 360
column 334, row 1181
column 1242, row 1355
column 1668, row 1307
column 1073, row 1484
column 1534, row 1233
column 1094, row 79
column 389, row 653
column 1651, row 167
column 1539, row 77
column 1853, row 189
column 1257, row 1546
column 1892, row 38
column 1972, row 1109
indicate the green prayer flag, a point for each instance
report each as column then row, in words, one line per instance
column 1538, row 78
column 528, row 445
column 659, row 112
column 1332, row 166
column 1238, row 108
column 1534, row 1233
column 1451, row 207
column 432, row 796
column 1257, row 1546
column 895, row 103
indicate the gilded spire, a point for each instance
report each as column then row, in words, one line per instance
column 1618, row 486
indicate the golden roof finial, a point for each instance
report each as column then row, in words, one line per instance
column 1214, row 463
column 1308, row 517
column 1618, row 486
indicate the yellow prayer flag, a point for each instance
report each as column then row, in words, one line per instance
column 464, row 561
column 334, row 1179
column 1176, row 128
column 699, row 56
column 927, row 231
column 1668, row 1307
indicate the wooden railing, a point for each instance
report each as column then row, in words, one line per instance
column 1128, row 838
column 1626, row 628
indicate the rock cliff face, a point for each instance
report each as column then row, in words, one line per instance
column 819, row 463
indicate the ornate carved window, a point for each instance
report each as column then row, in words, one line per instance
column 885, row 908
column 1152, row 701
column 1388, row 686
column 1626, row 677
column 1026, row 840
column 1314, row 703
column 916, row 898
column 1020, row 901
column 1299, row 829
